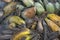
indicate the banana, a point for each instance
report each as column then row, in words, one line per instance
column 50, row 8
column 28, row 38
column 55, row 18
column 11, row 25
column 28, row 3
column 52, row 25
column 16, row 19
column 9, row 8
column 22, row 34
column 39, row 8
column 19, row 6
column 40, row 1
column 34, row 25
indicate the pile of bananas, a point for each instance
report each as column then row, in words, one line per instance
column 29, row 19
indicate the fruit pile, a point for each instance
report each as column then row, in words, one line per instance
column 29, row 19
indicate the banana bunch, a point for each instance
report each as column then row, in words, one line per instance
column 13, row 20
column 53, row 21
column 24, row 34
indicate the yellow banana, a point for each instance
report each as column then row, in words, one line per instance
column 28, row 38
column 9, row 8
column 22, row 34
column 16, row 19
column 33, row 25
column 52, row 25
column 55, row 18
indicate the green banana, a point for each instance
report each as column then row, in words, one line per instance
column 28, row 3
column 57, row 5
column 50, row 7
column 19, row 6
column 39, row 8
column 41, row 2
column 45, row 2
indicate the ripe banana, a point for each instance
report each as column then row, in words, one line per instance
column 55, row 18
column 52, row 25
column 21, row 34
column 16, row 19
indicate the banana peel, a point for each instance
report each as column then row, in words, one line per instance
column 52, row 25
column 21, row 34
column 9, row 8
column 55, row 18
column 16, row 19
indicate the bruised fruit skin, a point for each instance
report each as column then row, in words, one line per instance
column 55, row 18
column 52, row 25
column 29, row 13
